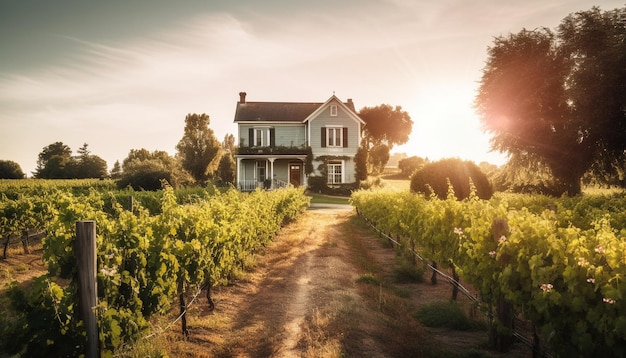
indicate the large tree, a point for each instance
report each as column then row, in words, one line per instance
column 86, row 165
column 52, row 160
column 199, row 150
column 143, row 169
column 385, row 126
column 228, row 144
column 10, row 170
column 558, row 99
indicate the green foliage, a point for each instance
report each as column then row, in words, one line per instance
column 459, row 175
column 555, row 98
column 10, row 170
column 385, row 124
column 226, row 169
column 52, row 160
column 377, row 158
column 319, row 184
column 199, row 149
column 56, row 162
column 44, row 326
column 407, row 272
column 360, row 164
column 192, row 238
column 409, row 165
column 560, row 262
column 446, row 314
column 367, row 278
column 144, row 170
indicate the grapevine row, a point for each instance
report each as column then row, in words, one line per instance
column 144, row 259
column 560, row 263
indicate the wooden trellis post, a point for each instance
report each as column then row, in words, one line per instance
column 85, row 252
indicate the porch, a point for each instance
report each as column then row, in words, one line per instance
column 270, row 172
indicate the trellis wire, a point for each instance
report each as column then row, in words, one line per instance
column 523, row 339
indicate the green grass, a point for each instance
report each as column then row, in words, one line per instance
column 446, row 314
column 367, row 278
column 406, row 272
column 327, row 199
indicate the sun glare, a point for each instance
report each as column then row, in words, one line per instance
column 446, row 125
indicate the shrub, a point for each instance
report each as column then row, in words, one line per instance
column 318, row 184
column 438, row 176
column 409, row 165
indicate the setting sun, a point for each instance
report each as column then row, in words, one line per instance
column 446, row 125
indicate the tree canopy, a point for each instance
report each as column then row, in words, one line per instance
column 10, row 170
column 145, row 170
column 384, row 127
column 56, row 162
column 409, row 165
column 385, row 124
column 558, row 99
column 199, row 150
column 52, row 160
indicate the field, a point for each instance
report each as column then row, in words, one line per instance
column 321, row 283
column 325, row 287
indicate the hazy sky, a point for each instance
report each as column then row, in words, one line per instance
column 122, row 75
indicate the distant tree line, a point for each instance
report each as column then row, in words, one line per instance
column 56, row 162
column 200, row 158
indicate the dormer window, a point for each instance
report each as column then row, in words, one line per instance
column 333, row 110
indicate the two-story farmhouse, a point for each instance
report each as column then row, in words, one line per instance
column 277, row 139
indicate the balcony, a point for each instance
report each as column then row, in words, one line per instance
column 277, row 150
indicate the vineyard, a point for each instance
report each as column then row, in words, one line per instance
column 152, row 248
column 558, row 263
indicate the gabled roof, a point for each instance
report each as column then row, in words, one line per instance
column 279, row 111
column 348, row 107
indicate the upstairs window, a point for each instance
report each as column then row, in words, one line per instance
column 333, row 110
column 334, row 137
column 261, row 137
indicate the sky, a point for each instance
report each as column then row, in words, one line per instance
column 122, row 75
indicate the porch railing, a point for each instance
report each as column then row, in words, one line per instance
column 280, row 184
column 251, row 185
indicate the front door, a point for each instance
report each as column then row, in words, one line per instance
column 294, row 173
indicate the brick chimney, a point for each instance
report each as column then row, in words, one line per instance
column 242, row 97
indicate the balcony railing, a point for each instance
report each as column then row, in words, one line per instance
column 278, row 150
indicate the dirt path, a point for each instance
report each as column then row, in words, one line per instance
column 302, row 299
column 325, row 287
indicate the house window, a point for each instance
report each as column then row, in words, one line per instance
column 334, row 137
column 333, row 110
column 335, row 172
column 259, row 136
